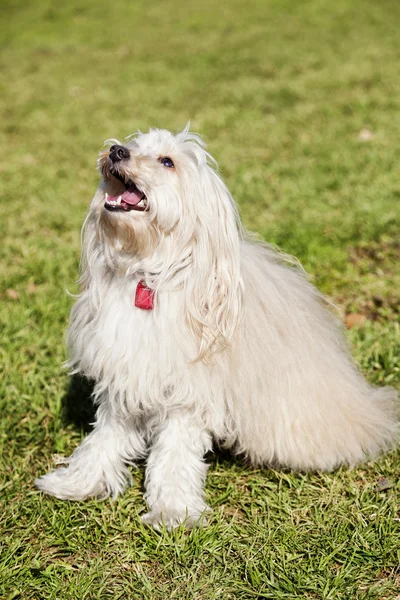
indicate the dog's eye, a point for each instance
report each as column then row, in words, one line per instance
column 167, row 162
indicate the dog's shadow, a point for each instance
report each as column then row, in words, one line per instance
column 77, row 406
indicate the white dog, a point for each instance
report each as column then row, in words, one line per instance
column 194, row 333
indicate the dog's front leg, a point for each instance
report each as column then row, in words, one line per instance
column 98, row 467
column 176, row 473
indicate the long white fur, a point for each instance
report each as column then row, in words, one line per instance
column 239, row 348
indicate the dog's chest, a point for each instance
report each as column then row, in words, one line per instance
column 131, row 350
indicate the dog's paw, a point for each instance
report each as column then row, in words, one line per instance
column 67, row 484
column 170, row 518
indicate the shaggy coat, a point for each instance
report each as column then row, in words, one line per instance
column 239, row 348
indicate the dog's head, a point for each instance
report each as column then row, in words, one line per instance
column 161, row 202
column 148, row 175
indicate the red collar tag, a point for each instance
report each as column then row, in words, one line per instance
column 144, row 297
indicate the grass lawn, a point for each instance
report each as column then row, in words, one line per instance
column 300, row 104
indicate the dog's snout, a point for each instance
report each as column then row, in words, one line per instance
column 118, row 153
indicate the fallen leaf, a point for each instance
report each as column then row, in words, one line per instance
column 28, row 159
column 354, row 320
column 384, row 483
column 12, row 294
column 366, row 135
column 31, row 287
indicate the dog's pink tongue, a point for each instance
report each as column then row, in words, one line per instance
column 132, row 195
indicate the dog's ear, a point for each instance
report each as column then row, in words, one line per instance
column 214, row 293
column 92, row 259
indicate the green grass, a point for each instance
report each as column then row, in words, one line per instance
column 281, row 91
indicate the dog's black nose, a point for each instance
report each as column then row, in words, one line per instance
column 118, row 153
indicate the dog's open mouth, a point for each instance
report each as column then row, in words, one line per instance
column 131, row 199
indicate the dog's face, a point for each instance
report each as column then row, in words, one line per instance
column 149, row 187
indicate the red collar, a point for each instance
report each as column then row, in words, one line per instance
column 144, row 297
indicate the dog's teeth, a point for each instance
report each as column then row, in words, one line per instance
column 119, row 200
column 107, row 197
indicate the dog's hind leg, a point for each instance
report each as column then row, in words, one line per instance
column 98, row 467
column 176, row 473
